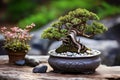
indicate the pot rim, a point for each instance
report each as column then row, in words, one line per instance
column 52, row 53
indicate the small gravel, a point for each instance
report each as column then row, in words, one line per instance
column 70, row 54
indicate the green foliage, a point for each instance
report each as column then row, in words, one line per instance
column 98, row 27
column 107, row 10
column 57, row 8
column 95, row 28
column 70, row 48
column 74, row 20
column 67, row 27
column 18, row 9
column 17, row 46
column 83, row 13
column 77, row 16
column 66, row 48
column 41, row 18
column 63, row 4
column 16, row 39
column 53, row 33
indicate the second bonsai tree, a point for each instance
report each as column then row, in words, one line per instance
column 79, row 22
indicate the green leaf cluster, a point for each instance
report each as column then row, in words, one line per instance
column 77, row 16
column 53, row 33
column 98, row 27
column 16, row 46
column 83, row 13
column 95, row 28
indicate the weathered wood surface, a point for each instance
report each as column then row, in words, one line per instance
column 12, row 72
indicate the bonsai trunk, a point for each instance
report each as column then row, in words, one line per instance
column 70, row 44
column 72, row 35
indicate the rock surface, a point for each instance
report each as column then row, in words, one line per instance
column 20, row 62
column 31, row 62
column 12, row 72
column 40, row 69
column 2, row 51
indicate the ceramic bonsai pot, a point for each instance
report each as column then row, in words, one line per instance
column 81, row 64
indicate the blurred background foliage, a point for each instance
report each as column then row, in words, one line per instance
column 41, row 12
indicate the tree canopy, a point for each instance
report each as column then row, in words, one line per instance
column 83, row 21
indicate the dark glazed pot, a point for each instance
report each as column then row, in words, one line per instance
column 83, row 64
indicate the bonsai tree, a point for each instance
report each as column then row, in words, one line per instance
column 79, row 22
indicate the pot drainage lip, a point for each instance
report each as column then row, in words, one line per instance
column 53, row 53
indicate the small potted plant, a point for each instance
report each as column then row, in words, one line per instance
column 72, row 55
column 16, row 42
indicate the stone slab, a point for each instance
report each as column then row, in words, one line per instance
column 12, row 72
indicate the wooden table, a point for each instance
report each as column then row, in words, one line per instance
column 12, row 72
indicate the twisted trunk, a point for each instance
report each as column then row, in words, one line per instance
column 72, row 35
column 70, row 44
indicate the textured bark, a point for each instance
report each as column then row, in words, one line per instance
column 72, row 35
column 71, row 44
